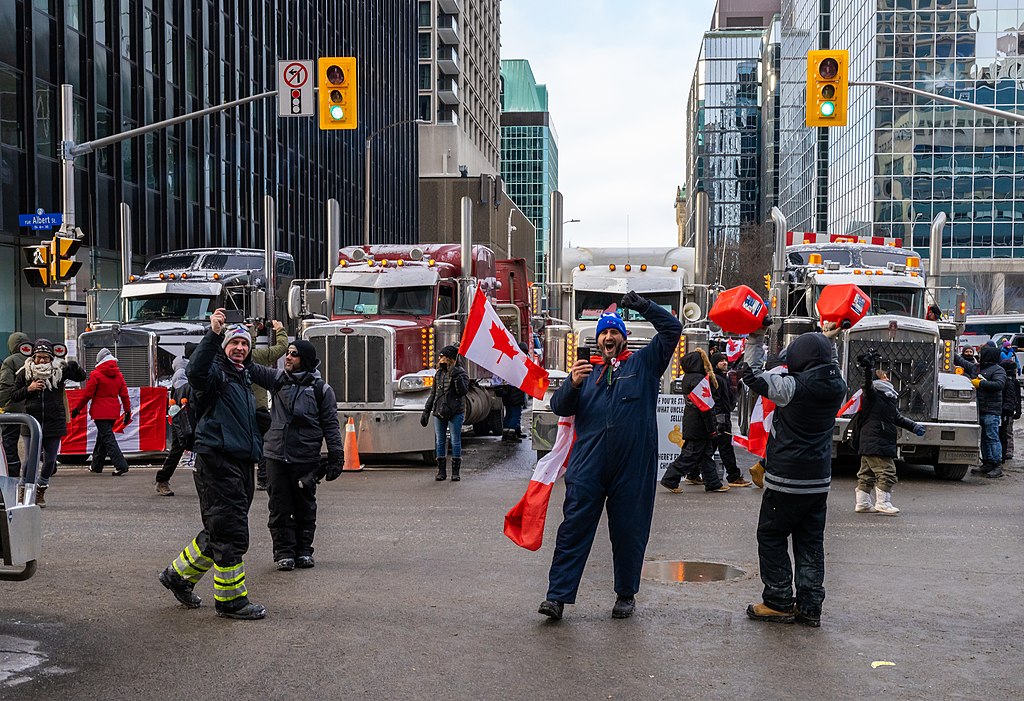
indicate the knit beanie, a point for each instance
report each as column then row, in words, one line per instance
column 237, row 331
column 450, row 352
column 43, row 345
column 716, row 358
column 104, row 355
column 610, row 320
column 307, row 354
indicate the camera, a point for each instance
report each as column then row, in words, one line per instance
column 869, row 359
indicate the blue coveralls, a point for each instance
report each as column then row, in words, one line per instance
column 614, row 458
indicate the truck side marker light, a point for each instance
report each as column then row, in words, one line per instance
column 184, row 276
column 216, row 276
column 675, row 268
column 431, row 263
column 400, row 262
column 628, row 267
column 162, row 276
column 611, row 266
column 643, row 268
column 171, row 276
column 131, row 278
column 583, row 266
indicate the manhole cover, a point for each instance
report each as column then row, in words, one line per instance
column 682, row 571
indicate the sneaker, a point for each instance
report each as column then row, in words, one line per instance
column 980, row 470
column 723, row 488
column 247, row 612
column 180, row 587
column 304, row 562
column 763, row 612
column 119, row 471
column 551, row 609
column 624, row 607
column 164, row 489
column 806, row 619
column 740, row 482
column 998, row 472
column 285, row 564
column 757, row 474
column 675, row 490
column 692, row 480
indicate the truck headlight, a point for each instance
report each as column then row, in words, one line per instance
column 415, row 383
column 957, row 395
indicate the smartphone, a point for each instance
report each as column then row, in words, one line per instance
column 234, row 316
column 583, row 353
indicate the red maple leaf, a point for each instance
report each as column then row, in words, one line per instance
column 705, row 392
column 502, row 343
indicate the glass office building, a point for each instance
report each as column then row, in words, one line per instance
column 135, row 62
column 529, row 152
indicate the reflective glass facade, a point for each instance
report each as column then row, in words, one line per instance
column 135, row 62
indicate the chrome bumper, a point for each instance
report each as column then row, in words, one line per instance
column 543, row 427
column 388, row 432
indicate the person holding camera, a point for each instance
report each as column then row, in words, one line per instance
column 875, row 438
column 304, row 414
column 614, row 459
column 446, row 403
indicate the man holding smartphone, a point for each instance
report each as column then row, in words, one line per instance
column 614, row 457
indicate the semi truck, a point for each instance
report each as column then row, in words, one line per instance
column 379, row 322
column 588, row 282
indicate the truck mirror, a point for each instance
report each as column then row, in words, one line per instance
column 294, row 302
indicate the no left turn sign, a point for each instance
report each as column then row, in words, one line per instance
column 295, row 89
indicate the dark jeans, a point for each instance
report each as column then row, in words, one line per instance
column 800, row 517
column 1006, row 436
column 50, row 449
column 513, row 418
column 106, row 445
column 263, row 422
column 991, row 448
column 440, row 435
column 11, row 439
column 696, row 457
column 292, row 508
column 171, row 461
column 723, row 444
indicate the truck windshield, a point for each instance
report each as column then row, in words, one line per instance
column 417, row 301
column 888, row 300
column 590, row 305
column 179, row 307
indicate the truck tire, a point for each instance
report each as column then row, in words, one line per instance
column 491, row 426
column 428, row 457
column 950, row 471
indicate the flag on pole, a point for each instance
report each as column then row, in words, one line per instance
column 147, row 433
column 490, row 345
column 760, row 427
column 701, row 395
column 853, row 406
column 524, row 523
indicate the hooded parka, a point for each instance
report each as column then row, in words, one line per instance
column 107, row 392
column 993, row 380
column 879, row 418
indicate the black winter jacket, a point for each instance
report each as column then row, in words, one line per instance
column 1011, row 390
column 48, row 406
column 697, row 425
column 299, row 425
column 725, row 401
column 225, row 403
column 878, row 420
column 993, row 380
column 451, row 384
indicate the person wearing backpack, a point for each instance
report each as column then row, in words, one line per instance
column 451, row 384
column 304, row 414
column 183, row 423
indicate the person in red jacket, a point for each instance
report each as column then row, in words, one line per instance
column 108, row 393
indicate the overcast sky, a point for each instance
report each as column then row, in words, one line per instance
column 618, row 75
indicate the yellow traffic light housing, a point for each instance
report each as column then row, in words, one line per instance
column 38, row 271
column 62, row 258
column 827, row 88
column 337, row 93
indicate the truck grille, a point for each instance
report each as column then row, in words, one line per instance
column 133, row 360
column 911, row 367
column 354, row 365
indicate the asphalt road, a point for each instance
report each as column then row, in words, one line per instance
column 418, row 595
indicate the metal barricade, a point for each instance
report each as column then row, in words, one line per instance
column 21, row 527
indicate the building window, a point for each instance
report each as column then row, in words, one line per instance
column 424, row 45
column 425, row 18
column 425, row 108
column 425, row 81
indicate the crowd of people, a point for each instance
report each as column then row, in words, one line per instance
column 995, row 373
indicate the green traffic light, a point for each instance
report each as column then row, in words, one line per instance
column 337, row 112
column 827, row 109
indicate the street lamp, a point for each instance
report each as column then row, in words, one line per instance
column 366, row 183
column 570, row 221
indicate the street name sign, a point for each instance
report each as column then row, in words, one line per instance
column 65, row 308
column 295, row 89
column 42, row 221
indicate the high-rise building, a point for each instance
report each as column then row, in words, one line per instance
column 135, row 62
column 458, row 44
column 529, row 152
column 903, row 159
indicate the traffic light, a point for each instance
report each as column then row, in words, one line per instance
column 337, row 89
column 38, row 258
column 62, row 258
column 827, row 88
column 768, row 282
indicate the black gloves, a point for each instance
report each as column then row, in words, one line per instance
column 424, row 418
column 334, row 466
column 746, row 372
column 127, row 417
column 631, row 300
column 74, row 413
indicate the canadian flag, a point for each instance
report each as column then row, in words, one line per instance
column 734, row 349
column 524, row 523
column 853, row 406
column 490, row 345
column 756, row 440
column 146, row 433
column 701, row 395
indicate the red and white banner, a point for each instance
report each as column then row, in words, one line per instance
column 146, row 433
column 853, row 406
column 490, row 345
column 794, row 238
column 524, row 523
column 701, row 395
column 734, row 349
column 756, row 440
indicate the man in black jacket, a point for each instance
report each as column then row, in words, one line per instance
column 1011, row 407
column 227, row 443
column 725, row 402
column 878, row 420
column 967, row 362
column 798, row 473
column 989, row 387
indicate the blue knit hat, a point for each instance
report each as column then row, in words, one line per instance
column 610, row 320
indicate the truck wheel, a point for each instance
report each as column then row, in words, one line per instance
column 491, row 426
column 428, row 457
column 950, row 471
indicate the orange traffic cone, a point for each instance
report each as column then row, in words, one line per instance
column 352, row 463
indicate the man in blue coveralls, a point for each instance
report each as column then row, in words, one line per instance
column 615, row 454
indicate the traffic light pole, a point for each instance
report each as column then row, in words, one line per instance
column 1011, row 116
column 69, row 150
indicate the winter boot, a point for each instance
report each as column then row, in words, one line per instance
column 506, row 436
column 442, row 472
column 456, row 466
column 41, row 497
column 864, row 505
column 883, row 503
column 180, row 587
column 164, row 489
column 247, row 611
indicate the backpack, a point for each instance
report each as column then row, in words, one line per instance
column 183, row 425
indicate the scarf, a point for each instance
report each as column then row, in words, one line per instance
column 50, row 373
column 613, row 365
